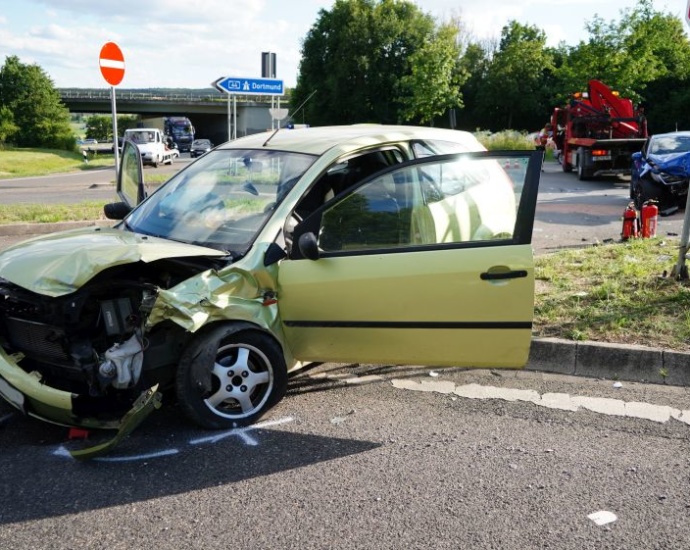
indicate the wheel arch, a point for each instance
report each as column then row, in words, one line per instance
column 234, row 327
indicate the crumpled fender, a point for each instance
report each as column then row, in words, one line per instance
column 212, row 296
column 247, row 293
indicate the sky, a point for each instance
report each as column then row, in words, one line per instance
column 192, row 43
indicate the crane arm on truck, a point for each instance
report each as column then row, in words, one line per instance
column 597, row 132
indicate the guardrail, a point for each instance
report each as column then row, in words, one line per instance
column 159, row 95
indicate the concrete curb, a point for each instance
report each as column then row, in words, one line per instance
column 610, row 361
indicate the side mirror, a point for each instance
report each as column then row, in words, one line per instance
column 308, row 246
column 636, row 156
column 116, row 210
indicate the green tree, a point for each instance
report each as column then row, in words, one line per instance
column 354, row 58
column 7, row 126
column 99, row 127
column 36, row 108
column 475, row 62
column 514, row 92
column 125, row 122
column 629, row 54
column 433, row 84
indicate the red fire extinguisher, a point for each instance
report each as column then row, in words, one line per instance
column 629, row 223
column 649, row 216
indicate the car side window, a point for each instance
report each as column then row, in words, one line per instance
column 371, row 217
column 458, row 200
column 346, row 174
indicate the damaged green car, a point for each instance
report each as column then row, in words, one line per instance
column 365, row 243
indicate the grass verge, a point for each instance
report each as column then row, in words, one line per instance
column 51, row 213
column 19, row 163
column 619, row 292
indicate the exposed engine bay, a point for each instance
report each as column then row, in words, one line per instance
column 94, row 342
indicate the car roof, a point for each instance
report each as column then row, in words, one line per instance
column 318, row 140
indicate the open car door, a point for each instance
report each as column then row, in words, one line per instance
column 130, row 178
column 429, row 262
column 130, row 183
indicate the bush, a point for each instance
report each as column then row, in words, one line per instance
column 507, row 139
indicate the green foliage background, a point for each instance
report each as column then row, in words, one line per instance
column 387, row 61
column 31, row 112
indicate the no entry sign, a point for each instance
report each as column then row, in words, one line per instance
column 112, row 63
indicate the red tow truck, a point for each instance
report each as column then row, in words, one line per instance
column 597, row 132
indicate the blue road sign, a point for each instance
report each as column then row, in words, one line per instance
column 256, row 86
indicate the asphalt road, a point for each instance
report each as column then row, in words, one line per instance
column 74, row 187
column 370, row 457
column 572, row 213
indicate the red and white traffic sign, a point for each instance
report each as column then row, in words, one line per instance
column 112, row 63
column 687, row 14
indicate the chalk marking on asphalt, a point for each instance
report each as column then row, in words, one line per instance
column 561, row 401
column 241, row 433
column 146, row 456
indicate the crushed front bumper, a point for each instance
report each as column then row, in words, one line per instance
column 25, row 392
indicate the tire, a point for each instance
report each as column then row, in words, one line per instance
column 228, row 378
column 582, row 173
column 645, row 190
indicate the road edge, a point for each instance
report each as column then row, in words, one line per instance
column 611, row 361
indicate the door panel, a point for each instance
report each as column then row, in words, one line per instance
column 429, row 263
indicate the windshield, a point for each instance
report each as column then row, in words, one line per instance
column 140, row 136
column 222, row 200
column 181, row 131
column 665, row 145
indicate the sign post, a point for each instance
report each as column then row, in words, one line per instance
column 112, row 65
column 680, row 270
column 246, row 86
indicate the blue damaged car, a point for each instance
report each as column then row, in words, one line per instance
column 661, row 171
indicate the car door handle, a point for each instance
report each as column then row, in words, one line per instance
column 502, row 275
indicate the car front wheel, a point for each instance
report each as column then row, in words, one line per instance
column 228, row 378
column 644, row 191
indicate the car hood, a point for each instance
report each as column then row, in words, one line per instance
column 675, row 164
column 60, row 263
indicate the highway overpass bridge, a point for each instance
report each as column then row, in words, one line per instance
column 209, row 110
